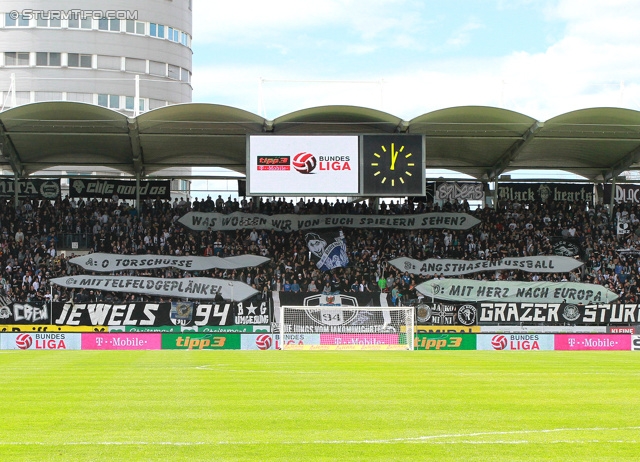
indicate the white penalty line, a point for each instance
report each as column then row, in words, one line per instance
column 415, row 440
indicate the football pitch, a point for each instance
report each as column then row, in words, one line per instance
column 305, row 406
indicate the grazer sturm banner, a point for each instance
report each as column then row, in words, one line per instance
column 327, row 250
column 124, row 189
column 558, row 313
column 625, row 193
column 300, row 165
column 198, row 288
column 200, row 221
column 106, row 262
column 543, row 192
column 469, row 290
column 35, row 188
column 142, row 314
column 450, row 267
column 454, row 191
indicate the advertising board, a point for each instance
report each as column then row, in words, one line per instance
column 49, row 328
column 40, row 341
column 272, row 341
column 360, row 339
column 592, row 342
column 281, row 165
column 193, row 341
column 528, row 342
column 444, row 342
column 121, row 341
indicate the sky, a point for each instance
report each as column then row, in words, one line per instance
column 408, row 57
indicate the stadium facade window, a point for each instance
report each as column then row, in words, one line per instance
column 80, row 97
column 174, row 72
column 110, row 101
column 157, row 68
column 12, row 58
column 79, row 60
column 130, row 104
column 48, row 96
column 48, row 59
column 134, row 27
column 75, row 23
column 46, row 22
column 9, row 20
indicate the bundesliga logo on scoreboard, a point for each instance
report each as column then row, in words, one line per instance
column 305, row 163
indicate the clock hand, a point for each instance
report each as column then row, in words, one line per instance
column 394, row 156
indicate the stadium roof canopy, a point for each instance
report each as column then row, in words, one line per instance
column 484, row 142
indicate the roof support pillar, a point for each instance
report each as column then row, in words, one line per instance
column 16, row 186
column 138, row 205
column 613, row 193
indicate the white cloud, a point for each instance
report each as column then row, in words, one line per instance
column 462, row 36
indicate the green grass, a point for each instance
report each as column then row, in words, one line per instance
column 302, row 406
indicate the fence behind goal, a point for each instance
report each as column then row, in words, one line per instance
column 348, row 327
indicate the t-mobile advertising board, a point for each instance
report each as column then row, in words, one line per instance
column 592, row 342
column 359, row 339
column 122, row 341
column 40, row 341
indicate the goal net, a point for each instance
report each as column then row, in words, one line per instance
column 346, row 328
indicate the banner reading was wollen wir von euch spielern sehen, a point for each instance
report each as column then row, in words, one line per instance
column 288, row 222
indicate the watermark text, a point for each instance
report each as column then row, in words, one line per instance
column 26, row 14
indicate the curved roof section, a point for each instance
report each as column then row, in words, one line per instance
column 484, row 142
column 337, row 120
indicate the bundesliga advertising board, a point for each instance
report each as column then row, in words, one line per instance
column 303, row 165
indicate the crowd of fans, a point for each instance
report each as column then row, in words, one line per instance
column 35, row 233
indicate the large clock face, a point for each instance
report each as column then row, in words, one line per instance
column 393, row 165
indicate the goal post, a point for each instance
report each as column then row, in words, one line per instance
column 346, row 327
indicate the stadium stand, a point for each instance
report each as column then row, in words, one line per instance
column 35, row 232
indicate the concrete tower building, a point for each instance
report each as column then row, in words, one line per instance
column 124, row 55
